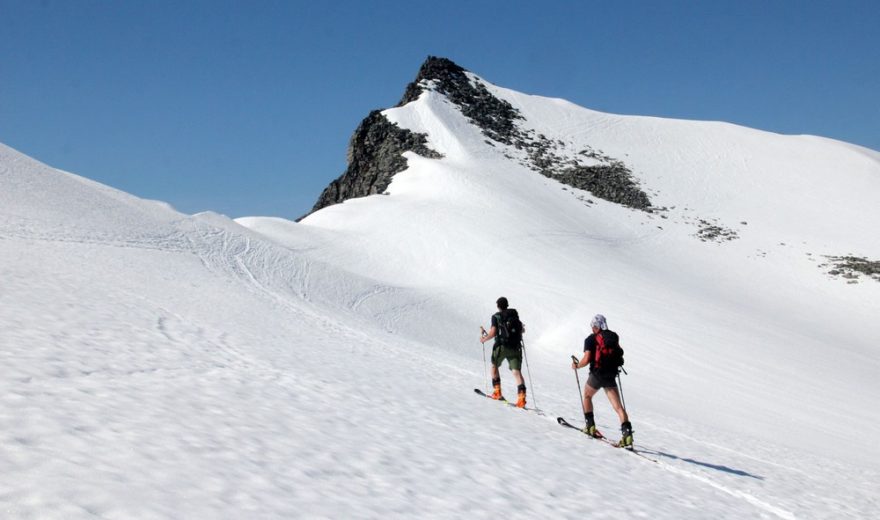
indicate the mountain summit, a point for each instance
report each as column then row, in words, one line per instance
column 712, row 178
column 375, row 149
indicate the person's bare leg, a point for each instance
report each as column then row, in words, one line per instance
column 518, row 376
column 614, row 398
column 589, row 392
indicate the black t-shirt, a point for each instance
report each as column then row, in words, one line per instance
column 590, row 344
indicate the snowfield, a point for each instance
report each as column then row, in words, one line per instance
column 162, row 365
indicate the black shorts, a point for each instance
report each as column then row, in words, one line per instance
column 599, row 380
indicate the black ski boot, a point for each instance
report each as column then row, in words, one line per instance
column 626, row 438
column 590, row 428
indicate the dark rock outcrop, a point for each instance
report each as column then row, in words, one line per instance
column 375, row 155
column 610, row 180
column 714, row 232
column 495, row 117
column 850, row 267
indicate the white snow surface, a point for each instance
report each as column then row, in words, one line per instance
column 161, row 365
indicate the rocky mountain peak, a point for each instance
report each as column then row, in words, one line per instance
column 375, row 151
column 495, row 117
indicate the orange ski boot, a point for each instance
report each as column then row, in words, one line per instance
column 521, row 396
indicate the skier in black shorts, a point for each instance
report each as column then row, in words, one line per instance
column 601, row 353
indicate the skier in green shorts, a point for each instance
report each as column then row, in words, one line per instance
column 507, row 331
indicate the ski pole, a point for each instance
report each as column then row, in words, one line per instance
column 620, row 388
column 483, row 333
column 529, row 370
column 578, row 379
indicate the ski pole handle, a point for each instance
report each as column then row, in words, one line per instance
column 483, row 331
column 574, row 359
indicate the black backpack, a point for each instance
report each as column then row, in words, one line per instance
column 510, row 329
column 609, row 353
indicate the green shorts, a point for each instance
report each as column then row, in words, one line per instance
column 512, row 355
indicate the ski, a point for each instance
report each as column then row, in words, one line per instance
column 508, row 403
column 484, row 394
column 563, row 422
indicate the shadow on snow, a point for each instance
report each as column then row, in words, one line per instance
column 716, row 467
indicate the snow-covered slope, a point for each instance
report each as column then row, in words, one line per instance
column 753, row 322
column 159, row 365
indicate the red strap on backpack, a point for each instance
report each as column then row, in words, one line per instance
column 600, row 349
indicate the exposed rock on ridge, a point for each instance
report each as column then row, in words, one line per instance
column 850, row 267
column 375, row 155
column 605, row 177
column 495, row 117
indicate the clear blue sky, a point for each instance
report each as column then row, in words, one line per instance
column 246, row 108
